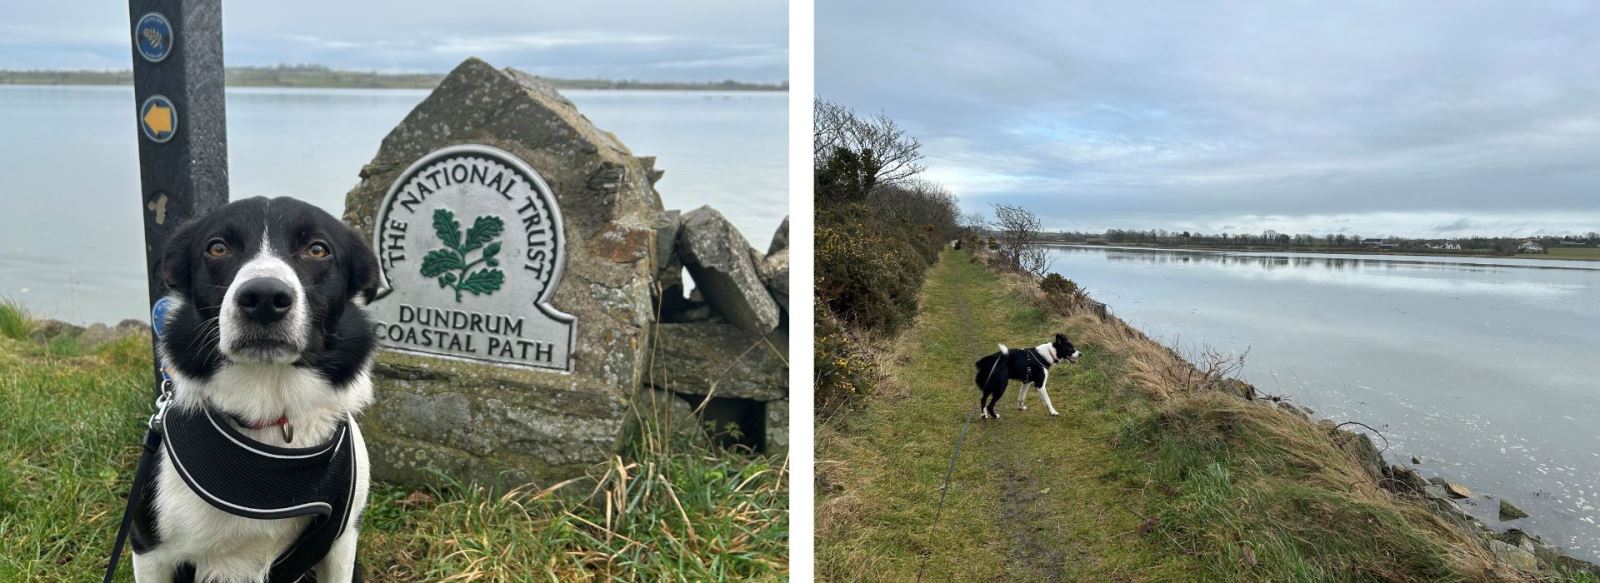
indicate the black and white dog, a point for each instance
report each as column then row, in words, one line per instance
column 263, row 473
column 1029, row 365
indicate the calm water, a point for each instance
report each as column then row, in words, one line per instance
column 1486, row 368
column 71, row 240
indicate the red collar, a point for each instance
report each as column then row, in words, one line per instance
column 281, row 421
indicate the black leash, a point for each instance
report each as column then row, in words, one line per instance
column 945, row 490
column 141, row 474
column 950, row 471
column 152, row 439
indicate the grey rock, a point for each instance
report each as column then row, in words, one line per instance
column 690, row 312
column 649, row 164
column 1360, row 447
column 669, row 267
column 666, row 225
column 1438, row 481
column 774, row 271
column 1237, row 388
column 523, row 425
column 98, row 334
column 1435, row 492
column 780, row 239
column 1416, row 460
column 1402, row 479
column 1509, row 511
column 1520, row 539
column 87, row 337
column 777, row 426
column 47, row 330
column 706, row 358
column 672, row 414
column 718, row 258
column 1516, row 557
column 1550, row 556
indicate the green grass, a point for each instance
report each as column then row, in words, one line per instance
column 663, row 510
column 1137, row 480
column 14, row 322
column 1572, row 253
column 1018, row 496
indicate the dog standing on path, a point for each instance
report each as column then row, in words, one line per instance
column 1029, row 365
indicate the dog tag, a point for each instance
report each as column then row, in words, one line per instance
column 288, row 432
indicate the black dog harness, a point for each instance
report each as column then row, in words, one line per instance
column 244, row 477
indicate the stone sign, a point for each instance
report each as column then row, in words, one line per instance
column 471, row 249
column 518, row 255
column 526, row 258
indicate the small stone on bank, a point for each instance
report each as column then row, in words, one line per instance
column 1509, row 511
column 1514, row 556
column 1457, row 490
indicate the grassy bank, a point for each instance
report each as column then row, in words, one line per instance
column 664, row 510
column 1151, row 473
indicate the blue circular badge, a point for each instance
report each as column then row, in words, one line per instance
column 158, row 118
column 153, row 36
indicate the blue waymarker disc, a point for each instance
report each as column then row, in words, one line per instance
column 153, row 37
column 158, row 314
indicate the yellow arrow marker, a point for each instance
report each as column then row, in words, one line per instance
column 158, row 119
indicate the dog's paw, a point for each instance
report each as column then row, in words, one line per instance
column 1022, row 407
column 1055, row 414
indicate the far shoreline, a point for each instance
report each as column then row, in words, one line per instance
column 1331, row 250
column 313, row 77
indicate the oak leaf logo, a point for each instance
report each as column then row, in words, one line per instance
column 450, row 266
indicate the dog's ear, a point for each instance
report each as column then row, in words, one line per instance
column 361, row 266
column 1062, row 338
column 177, row 259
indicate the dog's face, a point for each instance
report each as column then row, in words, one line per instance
column 1065, row 349
column 269, row 281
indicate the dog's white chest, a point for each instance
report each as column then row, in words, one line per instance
column 219, row 543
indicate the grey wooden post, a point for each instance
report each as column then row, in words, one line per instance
column 180, row 121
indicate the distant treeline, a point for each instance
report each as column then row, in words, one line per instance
column 323, row 77
column 1274, row 239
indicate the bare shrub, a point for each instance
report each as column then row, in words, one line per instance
column 887, row 155
column 1018, row 229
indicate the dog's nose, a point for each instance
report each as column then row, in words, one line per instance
column 264, row 299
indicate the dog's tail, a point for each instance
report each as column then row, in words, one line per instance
column 1004, row 350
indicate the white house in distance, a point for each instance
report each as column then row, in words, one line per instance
column 1530, row 246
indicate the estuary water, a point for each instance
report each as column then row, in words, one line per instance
column 71, row 238
column 1486, row 369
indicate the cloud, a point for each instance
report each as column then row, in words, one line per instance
column 1095, row 113
column 552, row 40
column 629, row 39
column 1460, row 224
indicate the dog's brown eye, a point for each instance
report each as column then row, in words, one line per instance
column 216, row 248
column 318, row 250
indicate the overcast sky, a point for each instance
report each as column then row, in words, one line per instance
column 696, row 40
column 1405, row 118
